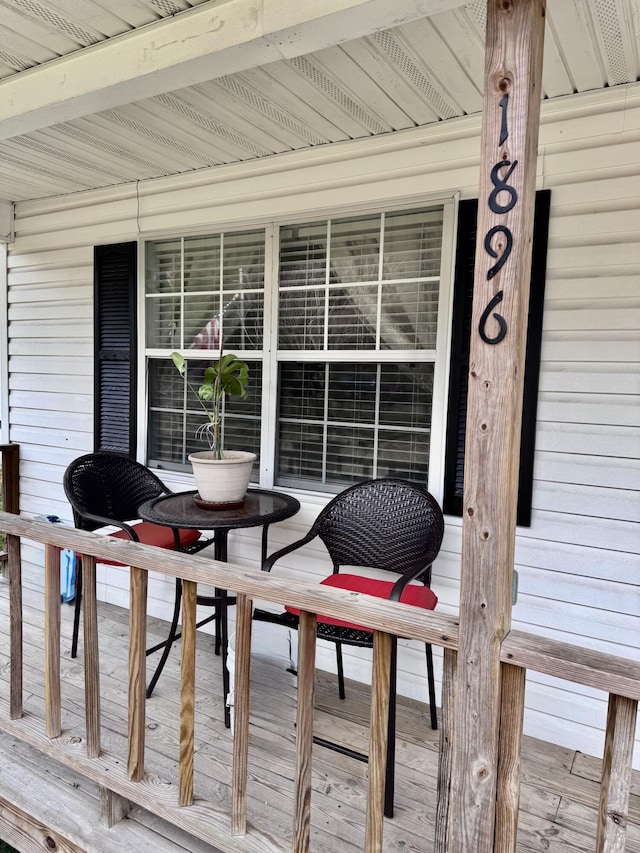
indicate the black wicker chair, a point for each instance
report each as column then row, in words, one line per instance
column 379, row 524
column 106, row 489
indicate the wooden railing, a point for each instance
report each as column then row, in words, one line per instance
column 229, row 830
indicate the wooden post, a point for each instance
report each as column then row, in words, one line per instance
column 512, row 90
column 616, row 775
column 113, row 807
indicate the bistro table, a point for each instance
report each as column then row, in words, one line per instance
column 260, row 508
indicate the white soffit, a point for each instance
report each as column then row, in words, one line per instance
column 103, row 92
column 209, row 41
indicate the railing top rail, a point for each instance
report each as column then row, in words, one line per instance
column 401, row 619
column 592, row 668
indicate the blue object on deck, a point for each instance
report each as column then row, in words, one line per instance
column 67, row 566
column 67, row 575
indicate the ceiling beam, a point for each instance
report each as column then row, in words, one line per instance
column 206, row 42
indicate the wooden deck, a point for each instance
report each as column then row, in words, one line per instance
column 559, row 789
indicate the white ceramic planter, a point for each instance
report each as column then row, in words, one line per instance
column 222, row 481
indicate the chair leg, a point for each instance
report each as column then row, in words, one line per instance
column 218, row 622
column 390, row 775
column 170, row 639
column 77, row 608
column 226, row 687
column 340, row 666
column 432, row 687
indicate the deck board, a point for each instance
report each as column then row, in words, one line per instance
column 559, row 792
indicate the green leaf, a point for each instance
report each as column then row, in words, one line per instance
column 205, row 392
column 179, row 361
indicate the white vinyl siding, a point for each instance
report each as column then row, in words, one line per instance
column 578, row 564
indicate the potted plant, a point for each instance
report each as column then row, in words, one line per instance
column 222, row 476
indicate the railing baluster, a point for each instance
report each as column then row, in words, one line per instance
column 15, row 625
column 240, row 711
column 304, row 736
column 616, row 775
column 380, row 690
column 509, row 755
column 449, row 664
column 187, row 692
column 137, row 672
column 53, row 714
column 91, row 658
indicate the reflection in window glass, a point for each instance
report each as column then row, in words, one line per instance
column 375, row 287
column 360, row 420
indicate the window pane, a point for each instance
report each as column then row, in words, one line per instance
column 243, row 265
column 349, row 455
column 341, row 423
column 353, row 317
column 355, row 248
column 172, row 428
column 165, row 437
column 243, row 321
column 202, row 321
column 352, row 392
column 303, row 255
column 163, row 266
column 412, row 244
column 300, row 453
column 409, row 315
column 301, row 323
column 406, row 391
column 404, row 455
column 163, row 322
column 364, row 303
column 202, row 263
column 201, row 308
column 302, row 391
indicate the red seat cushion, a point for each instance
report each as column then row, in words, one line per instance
column 155, row 534
column 417, row 595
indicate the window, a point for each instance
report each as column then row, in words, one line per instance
column 340, row 316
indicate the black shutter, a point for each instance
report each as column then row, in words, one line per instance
column 460, row 343
column 115, row 271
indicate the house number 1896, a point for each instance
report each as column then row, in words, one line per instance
column 502, row 199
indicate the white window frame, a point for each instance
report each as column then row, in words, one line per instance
column 271, row 357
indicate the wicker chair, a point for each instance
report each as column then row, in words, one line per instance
column 379, row 524
column 106, row 489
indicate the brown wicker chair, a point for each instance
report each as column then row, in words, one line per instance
column 106, row 489
column 380, row 524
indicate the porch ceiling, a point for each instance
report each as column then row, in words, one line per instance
column 95, row 93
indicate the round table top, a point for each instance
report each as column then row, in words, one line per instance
column 261, row 506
